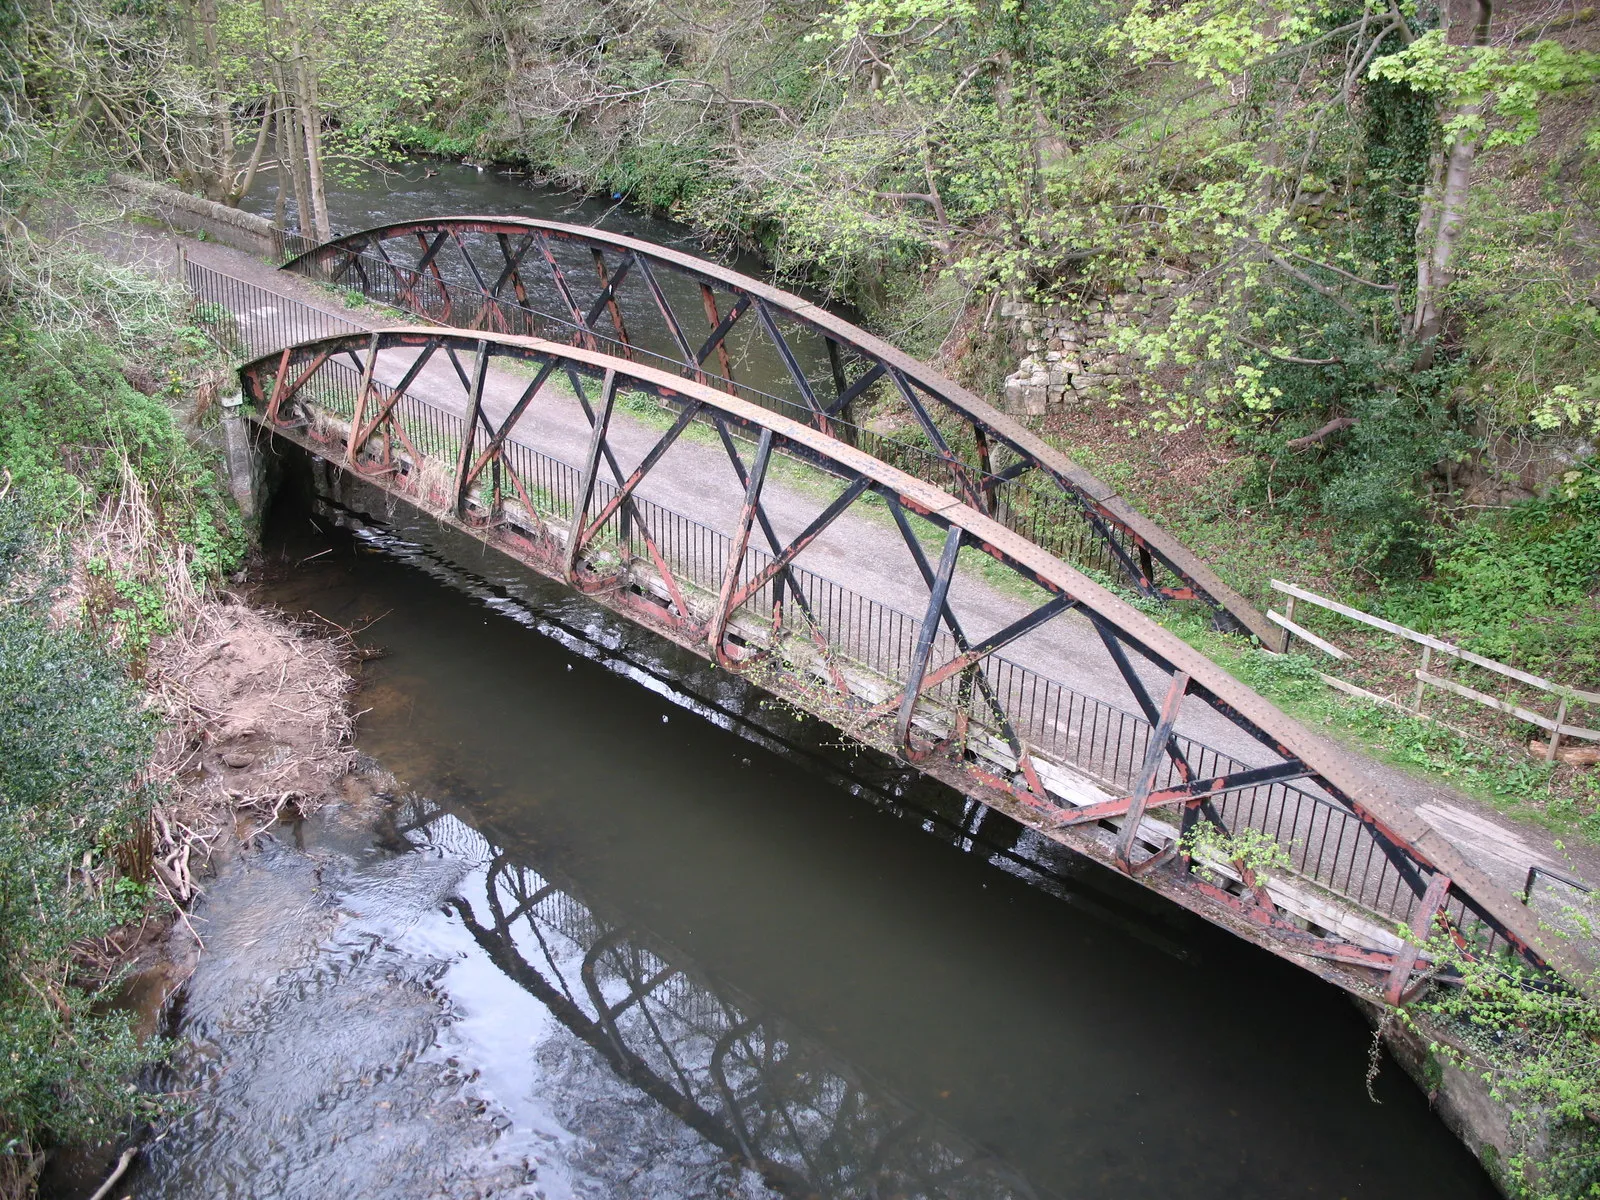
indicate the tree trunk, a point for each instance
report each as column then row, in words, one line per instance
column 221, row 103
column 290, row 117
column 1443, row 218
column 311, row 128
column 241, row 188
column 300, row 119
column 735, row 125
column 1447, row 216
column 285, row 171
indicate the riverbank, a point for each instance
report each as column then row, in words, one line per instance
column 255, row 726
column 150, row 718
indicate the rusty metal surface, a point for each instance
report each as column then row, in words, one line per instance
column 1139, row 539
column 1431, row 867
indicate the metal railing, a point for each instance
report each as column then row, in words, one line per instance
column 1321, row 840
column 251, row 321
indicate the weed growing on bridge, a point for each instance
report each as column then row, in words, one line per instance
column 1534, row 1045
column 1246, row 849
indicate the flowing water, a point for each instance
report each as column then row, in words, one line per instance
column 619, row 928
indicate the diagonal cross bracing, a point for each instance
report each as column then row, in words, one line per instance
column 1109, row 523
column 1421, row 856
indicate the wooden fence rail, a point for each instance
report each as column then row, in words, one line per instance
column 1565, row 695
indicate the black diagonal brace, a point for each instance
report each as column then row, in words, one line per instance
column 937, row 592
column 789, row 360
column 721, row 331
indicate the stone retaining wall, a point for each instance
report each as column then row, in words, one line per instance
column 1070, row 353
column 184, row 213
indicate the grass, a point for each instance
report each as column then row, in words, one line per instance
column 1496, row 770
column 1194, row 487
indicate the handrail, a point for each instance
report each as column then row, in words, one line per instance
column 1557, row 726
column 1433, row 643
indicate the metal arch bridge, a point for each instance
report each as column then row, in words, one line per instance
column 1121, row 788
column 525, row 276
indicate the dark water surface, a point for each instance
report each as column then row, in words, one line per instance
column 363, row 198
column 844, row 993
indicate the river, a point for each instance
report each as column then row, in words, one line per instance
column 620, row 927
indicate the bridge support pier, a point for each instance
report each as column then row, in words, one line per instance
column 245, row 463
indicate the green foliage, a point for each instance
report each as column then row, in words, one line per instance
column 1531, row 324
column 70, row 424
column 377, row 64
column 1371, row 479
column 74, row 740
column 1250, row 849
column 1522, row 586
column 1398, row 131
column 1494, row 92
column 1532, row 1041
column 1285, row 676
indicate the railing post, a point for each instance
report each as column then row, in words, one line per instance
column 1555, row 734
column 1416, row 695
column 591, row 468
column 469, row 434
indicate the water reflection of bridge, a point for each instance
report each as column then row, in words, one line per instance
column 746, row 1080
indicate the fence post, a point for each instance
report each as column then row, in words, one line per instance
column 1416, row 695
column 1555, row 734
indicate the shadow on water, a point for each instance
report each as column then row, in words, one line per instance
column 667, row 940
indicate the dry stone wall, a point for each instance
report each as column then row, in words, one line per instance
column 183, row 213
column 1070, row 356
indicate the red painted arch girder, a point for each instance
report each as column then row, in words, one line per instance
column 1142, row 542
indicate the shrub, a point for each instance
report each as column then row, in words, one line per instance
column 74, row 741
column 1520, row 585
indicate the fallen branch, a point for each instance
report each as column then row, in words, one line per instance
column 116, row 1173
column 1311, row 439
column 1290, row 358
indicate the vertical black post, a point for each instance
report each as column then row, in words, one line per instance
column 469, row 431
column 937, row 592
column 846, row 413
